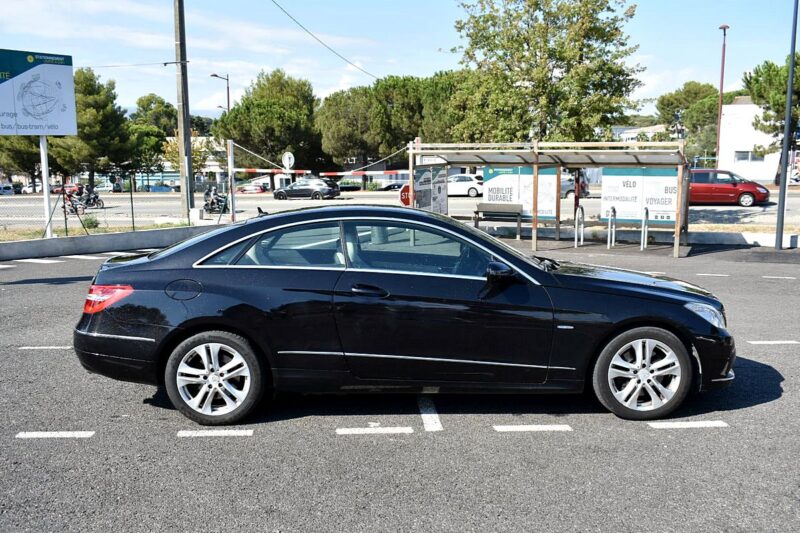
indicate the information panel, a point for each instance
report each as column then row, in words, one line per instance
column 37, row 94
column 630, row 190
column 430, row 189
column 514, row 185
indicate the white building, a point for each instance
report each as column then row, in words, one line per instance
column 737, row 139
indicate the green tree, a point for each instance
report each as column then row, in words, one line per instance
column 276, row 114
column 766, row 85
column 344, row 122
column 396, row 112
column 202, row 125
column 672, row 106
column 153, row 110
column 561, row 66
column 439, row 115
column 147, row 149
column 201, row 151
column 20, row 155
column 102, row 142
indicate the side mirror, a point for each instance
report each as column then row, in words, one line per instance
column 498, row 271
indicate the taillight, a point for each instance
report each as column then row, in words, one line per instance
column 101, row 296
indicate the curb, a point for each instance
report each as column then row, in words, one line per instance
column 104, row 242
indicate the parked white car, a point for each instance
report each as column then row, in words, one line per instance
column 28, row 189
column 465, row 185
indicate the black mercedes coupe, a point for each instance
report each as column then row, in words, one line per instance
column 370, row 299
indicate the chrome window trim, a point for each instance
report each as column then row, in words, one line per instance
column 306, row 352
column 109, row 336
column 198, row 263
column 444, row 360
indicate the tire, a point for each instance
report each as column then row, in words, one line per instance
column 280, row 196
column 316, row 196
column 747, row 199
column 570, row 195
column 99, row 204
column 670, row 368
column 472, row 192
column 219, row 407
column 80, row 209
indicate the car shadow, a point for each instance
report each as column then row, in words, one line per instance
column 755, row 384
column 49, row 281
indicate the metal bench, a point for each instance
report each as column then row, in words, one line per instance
column 499, row 212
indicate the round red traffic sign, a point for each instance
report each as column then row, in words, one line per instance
column 405, row 195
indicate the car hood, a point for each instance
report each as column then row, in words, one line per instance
column 617, row 280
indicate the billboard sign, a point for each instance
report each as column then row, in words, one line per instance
column 37, row 94
column 514, row 185
column 630, row 190
column 430, row 189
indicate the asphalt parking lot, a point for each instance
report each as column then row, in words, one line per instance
column 85, row 453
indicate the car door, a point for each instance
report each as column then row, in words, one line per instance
column 700, row 188
column 414, row 304
column 724, row 188
column 284, row 281
column 453, row 186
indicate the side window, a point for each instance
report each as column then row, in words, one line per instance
column 227, row 255
column 723, row 177
column 410, row 248
column 309, row 245
column 701, row 177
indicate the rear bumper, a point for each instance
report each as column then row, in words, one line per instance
column 118, row 357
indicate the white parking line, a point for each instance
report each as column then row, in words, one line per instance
column 430, row 418
column 216, row 433
column 533, row 427
column 115, row 254
column 55, row 434
column 373, row 431
column 688, row 425
column 778, row 277
column 45, row 347
column 7, row 266
column 85, row 257
column 773, row 342
column 39, row 261
column 715, row 275
column 652, row 273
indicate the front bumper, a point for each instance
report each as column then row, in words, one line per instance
column 717, row 355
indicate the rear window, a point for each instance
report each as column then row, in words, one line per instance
column 186, row 243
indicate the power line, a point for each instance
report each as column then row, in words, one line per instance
column 403, row 149
column 320, row 41
column 161, row 63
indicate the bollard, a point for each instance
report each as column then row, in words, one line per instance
column 579, row 224
column 645, row 228
column 612, row 228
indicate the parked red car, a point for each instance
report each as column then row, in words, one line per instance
column 69, row 188
column 712, row 186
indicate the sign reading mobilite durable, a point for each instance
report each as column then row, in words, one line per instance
column 37, row 94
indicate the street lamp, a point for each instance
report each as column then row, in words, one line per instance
column 227, row 79
column 724, row 29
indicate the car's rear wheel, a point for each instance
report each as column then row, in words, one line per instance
column 316, row 196
column 570, row 195
column 746, row 199
column 280, row 196
column 214, row 378
column 643, row 374
column 472, row 192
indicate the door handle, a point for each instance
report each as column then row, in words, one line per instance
column 368, row 290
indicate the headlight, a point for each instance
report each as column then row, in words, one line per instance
column 762, row 190
column 709, row 313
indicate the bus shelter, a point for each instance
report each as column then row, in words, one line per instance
column 644, row 182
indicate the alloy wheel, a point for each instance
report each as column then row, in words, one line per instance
column 213, row 379
column 644, row 374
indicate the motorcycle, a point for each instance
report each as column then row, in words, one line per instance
column 215, row 202
column 73, row 205
column 92, row 199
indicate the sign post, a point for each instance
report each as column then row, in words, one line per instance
column 231, row 182
column 37, row 97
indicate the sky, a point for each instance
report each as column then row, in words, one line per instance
column 678, row 41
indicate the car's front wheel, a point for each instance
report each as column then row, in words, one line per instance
column 316, row 196
column 747, row 200
column 280, row 196
column 214, row 378
column 643, row 374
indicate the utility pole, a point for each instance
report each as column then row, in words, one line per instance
column 724, row 29
column 184, row 119
column 787, row 134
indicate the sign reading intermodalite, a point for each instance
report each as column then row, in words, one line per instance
column 37, row 94
column 630, row 190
